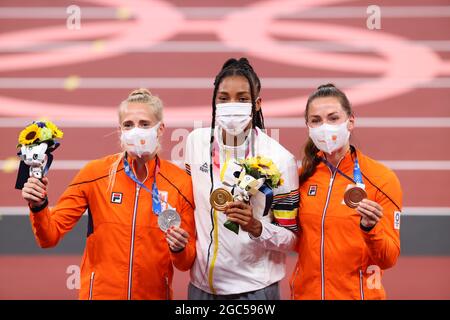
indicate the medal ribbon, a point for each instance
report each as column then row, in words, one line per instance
column 268, row 192
column 156, row 199
column 357, row 173
column 357, row 176
column 216, row 156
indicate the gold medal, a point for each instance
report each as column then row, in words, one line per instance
column 354, row 196
column 219, row 199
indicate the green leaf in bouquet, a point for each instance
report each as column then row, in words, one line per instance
column 254, row 173
column 274, row 181
column 233, row 226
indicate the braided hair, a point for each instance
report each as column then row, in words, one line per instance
column 233, row 67
column 241, row 67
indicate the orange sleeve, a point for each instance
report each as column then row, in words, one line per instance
column 49, row 226
column 383, row 240
column 184, row 259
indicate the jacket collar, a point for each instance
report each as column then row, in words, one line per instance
column 346, row 164
column 151, row 164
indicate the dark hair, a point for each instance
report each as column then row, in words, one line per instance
column 233, row 67
column 241, row 67
column 310, row 159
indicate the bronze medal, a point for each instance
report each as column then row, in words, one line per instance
column 354, row 196
column 219, row 199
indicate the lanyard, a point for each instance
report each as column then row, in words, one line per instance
column 156, row 199
column 216, row 149
column 357, row 176
column 268, row 192
column 357, row 172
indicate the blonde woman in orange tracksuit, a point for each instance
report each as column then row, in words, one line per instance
column 127, row 255
column 343, row 249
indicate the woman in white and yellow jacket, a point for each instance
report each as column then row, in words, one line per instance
column 247, row 265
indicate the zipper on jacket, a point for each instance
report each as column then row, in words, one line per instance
column 133, row 231
column 293, row 283
column 166, row 282
column 322, row 236
column 361, row 284
column 91, row 285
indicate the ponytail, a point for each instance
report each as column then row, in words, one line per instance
column 310, row 159
column 309, row 162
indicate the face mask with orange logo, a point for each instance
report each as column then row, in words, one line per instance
column 139, row 141
column 330, row 138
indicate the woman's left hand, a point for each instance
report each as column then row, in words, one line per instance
column 242, row 213
column 370, row 211
column 177, row 238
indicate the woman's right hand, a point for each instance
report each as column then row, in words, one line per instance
column 35, row 191
column 177, row 238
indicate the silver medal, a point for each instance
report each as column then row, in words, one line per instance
column 168, row 218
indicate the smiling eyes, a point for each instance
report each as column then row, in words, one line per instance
column 224, row 98
column 144, row 124
column 317, row 121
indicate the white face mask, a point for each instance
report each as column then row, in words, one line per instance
column 233, row 117
column 330, row 138
column 139, row 141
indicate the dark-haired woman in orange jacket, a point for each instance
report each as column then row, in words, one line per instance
column 349, row 209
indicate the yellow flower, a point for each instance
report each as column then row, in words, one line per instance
column 29, row 135
column 266, row 168
column 262, row 171
column 264, row 162
column 55, row 131
column 273, row 170
column 45, row 134
column 252, row 163
column 275, row 180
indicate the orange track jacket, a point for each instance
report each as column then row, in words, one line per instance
column 126, row 254
column 337, row 259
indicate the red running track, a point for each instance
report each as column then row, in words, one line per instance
column 396, row 74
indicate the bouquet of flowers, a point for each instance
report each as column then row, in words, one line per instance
column 38, row 132
column 36, row 142
column 258, row 174
column 262, row 167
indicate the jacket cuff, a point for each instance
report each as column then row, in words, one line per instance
column 40, row 208
column 176, row 251
column 265, row 234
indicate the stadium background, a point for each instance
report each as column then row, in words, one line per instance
column 398, row 78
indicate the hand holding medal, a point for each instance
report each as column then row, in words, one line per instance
column 255, row 174
column 220, row 198
column 166, row 218
column 353, row 196
column 356, row 197
column 169, row 222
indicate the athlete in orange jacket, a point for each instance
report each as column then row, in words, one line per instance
column 127, row 255
column 343, row 250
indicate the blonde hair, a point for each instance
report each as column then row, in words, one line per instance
column 145, row 97
column 154, row 105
